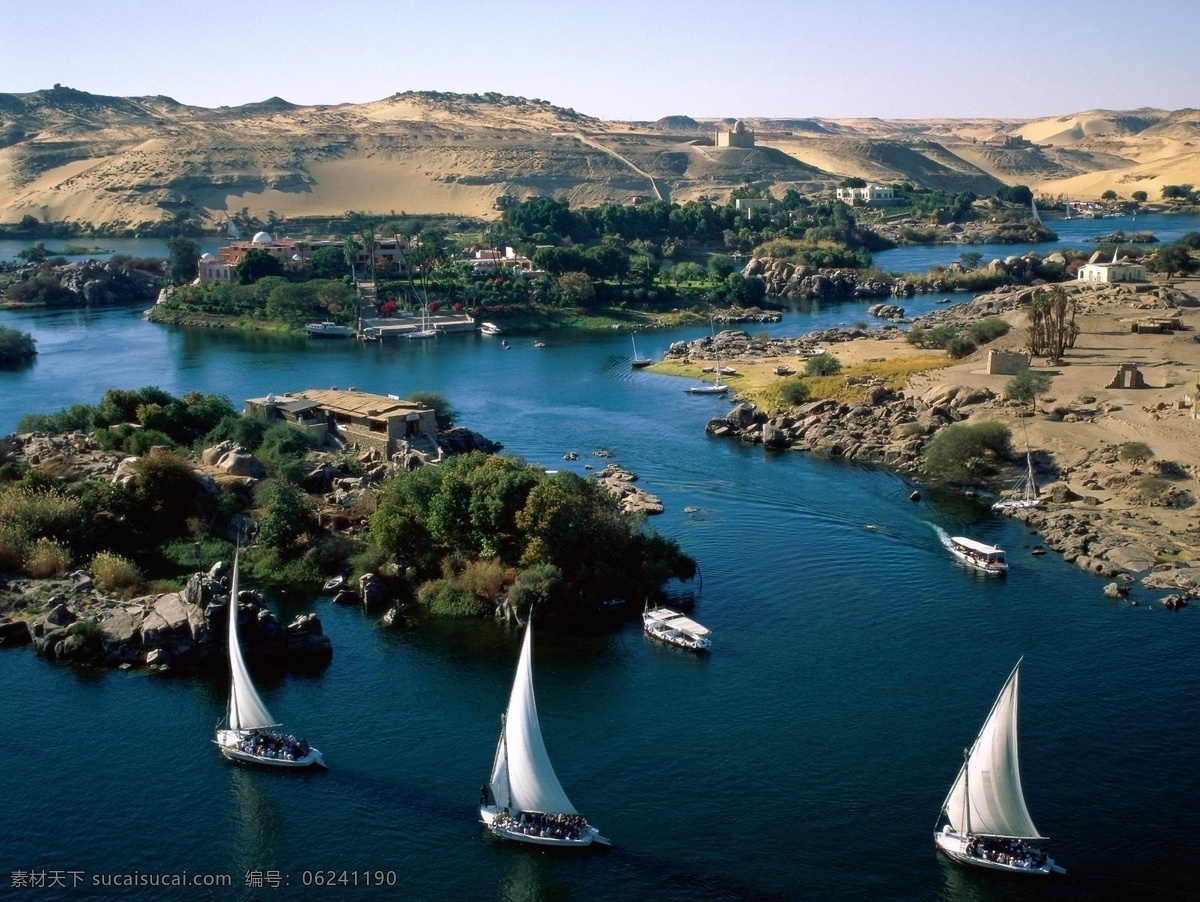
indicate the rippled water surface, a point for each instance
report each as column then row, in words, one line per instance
column 806, row 757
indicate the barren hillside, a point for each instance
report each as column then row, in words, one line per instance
column 70, row 155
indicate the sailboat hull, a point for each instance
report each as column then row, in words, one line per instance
column 228, row 742
column 494, row 819
column 954, row 846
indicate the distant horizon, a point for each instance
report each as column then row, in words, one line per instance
column 699, row 118
column 626, row 61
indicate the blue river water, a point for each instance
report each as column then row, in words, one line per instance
column 806, row 757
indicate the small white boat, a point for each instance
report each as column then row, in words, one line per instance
column 539, row 344
column 489, row 329
column 987, row 822
column 987, row 558
column 528, row 803
column 329, row 330
column 676, row 629
column 1024, row 492
column 717, row 387
column 426, row 331
column 333, row 583
column 249, row 735
column 638, row 360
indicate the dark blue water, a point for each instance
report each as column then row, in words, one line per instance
column 806, row 757
column 1071, row 233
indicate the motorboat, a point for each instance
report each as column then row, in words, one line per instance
column 986, row 558
column 329, row 330
column 675, row 629
column 489, row 329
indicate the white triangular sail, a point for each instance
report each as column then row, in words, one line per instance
column 523, row 778
column 986, row 797
column 246, row 709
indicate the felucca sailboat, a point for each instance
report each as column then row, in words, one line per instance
column 528, row 803
column 987, row 823
column 249, row 736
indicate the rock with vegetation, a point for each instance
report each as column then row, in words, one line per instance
column 16, row 347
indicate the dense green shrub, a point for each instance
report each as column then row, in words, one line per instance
column 1135, row 452
column 988, row 330
column 959, row 347
column 15, row 346
column 822, row 365
column 961, row 453
column 795, row 392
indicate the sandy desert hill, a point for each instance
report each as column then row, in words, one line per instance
column 66, row 154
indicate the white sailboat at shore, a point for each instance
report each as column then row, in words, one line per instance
column 425, row 331
column 249, row 735
column 987, row 822
column 638, row 360
column 1025, row 491
column 717, row 387
column 528, row 803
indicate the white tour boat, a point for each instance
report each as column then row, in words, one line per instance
column 987, row 558
column 329, row 330
column 676, row 629
column 249, row 736
column 528, row 803
column 987, row 823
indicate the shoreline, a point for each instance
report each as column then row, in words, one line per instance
column 1098, row 514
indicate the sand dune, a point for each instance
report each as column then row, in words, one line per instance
column 132, row 162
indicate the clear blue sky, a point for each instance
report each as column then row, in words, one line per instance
column 618, row 59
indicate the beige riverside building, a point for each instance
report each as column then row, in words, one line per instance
column 738, row 136
column 385, row 424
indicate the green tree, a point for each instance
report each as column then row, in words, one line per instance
column 183, row 260
column 1052, row 328
column 329, row 263
column 1134, row 452
column 16, row 346
column 970, row 259
column 286, row 518
column 1172, row 258
column 1176, row 192
column 1019, row 195
column 795, row 392
column 35, row 253
column 1140, row 196
column 961, row 453
column 257, row 264
column 852, row 182
column 443, row 410
column 822, row 365
column 1110, row 194
column 720, row 266
column 1026, row 386
column 576, row 289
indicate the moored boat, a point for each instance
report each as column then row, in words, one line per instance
column 250, row 736
column 1024, row 495
column 329, row 330
column 985, row 558
column 675, row 629
column 638, row 361
column 987, row 822
column 489, row 329
column 528, row 804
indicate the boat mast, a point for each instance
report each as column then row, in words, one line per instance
column 967, row 791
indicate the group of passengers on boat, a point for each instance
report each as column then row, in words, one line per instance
column 547, row 826
column 1013, row 852
column 269, row 744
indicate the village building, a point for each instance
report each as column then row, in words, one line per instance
column 491, row 260
column 746, row 205
column 386, row 424
column 871, row 194
column 738, row 136
column 389, row 255
column 1122, row 270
